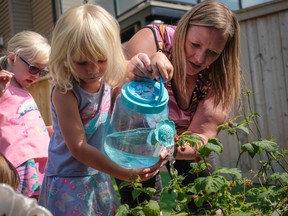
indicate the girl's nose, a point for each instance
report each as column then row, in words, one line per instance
column 95, row 67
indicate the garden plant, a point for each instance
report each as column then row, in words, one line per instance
column 226, row 191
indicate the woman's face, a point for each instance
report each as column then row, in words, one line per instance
column 203, row 45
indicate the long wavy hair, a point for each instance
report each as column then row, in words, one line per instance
column 225, row 71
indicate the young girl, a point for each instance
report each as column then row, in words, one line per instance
column 86, row 61
column 23, row 136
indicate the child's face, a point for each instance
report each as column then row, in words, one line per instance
column 23, row 70
column 89, row 72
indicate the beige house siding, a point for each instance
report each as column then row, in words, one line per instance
column 5, row 21
column 21, row 15
column 42, row 17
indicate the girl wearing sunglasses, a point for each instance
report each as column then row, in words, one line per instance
column 23, row 135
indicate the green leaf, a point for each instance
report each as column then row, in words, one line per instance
column 212, row 145
column 122, row 210
column 279, row 176
column 152, row 208
column 266, row 192
column 266, row 145
column 148, row 190
column 250, row 148
column 232, row 171
column 210, row 184
column 136, row 193
column 125, row 184
column 243, row 128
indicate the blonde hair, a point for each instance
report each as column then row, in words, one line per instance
column 87, row 31
column 225, row 70
column 8, row 173
column 28, row 44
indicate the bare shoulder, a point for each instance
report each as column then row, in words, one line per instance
column 60, row 98
column 143, row 41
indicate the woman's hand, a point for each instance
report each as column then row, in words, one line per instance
column 5, row 79
column 161, row 66
column 141, row 66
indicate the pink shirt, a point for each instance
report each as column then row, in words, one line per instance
column 23, row 133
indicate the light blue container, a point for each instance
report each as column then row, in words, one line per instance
column 140, row 110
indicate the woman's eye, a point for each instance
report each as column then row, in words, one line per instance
column 195, row 45
column 212, row 53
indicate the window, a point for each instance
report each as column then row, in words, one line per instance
column 122, row 6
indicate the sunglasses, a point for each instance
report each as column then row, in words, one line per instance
column 35, row 70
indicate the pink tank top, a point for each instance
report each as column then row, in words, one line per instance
column 23, row 133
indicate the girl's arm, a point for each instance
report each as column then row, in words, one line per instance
column 74, row 135
column 205, row 124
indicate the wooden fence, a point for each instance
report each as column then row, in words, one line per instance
column 264, row 63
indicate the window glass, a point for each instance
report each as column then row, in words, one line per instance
column 125, row 5
column 189, row 2
column 249, row 3
column 232, row 4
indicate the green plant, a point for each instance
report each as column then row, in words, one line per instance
column 225, row 190
column 145, row 208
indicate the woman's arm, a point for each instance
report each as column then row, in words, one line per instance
column 142, row 42
column 74, row 135
column 205, row 124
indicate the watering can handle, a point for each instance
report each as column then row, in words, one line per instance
column 161, row 90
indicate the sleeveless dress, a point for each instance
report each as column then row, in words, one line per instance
column 24, row 138
column 70, row 187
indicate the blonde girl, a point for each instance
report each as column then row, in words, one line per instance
column 86, row 63
column 23, row 136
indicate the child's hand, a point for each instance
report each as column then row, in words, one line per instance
column 5, row 79
column 148, row 173
column 144, row 174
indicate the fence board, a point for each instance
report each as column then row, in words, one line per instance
column 264, row 64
